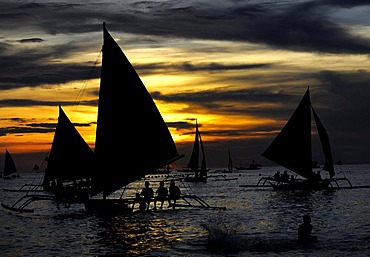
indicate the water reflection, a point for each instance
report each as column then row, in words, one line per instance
column 137, row 234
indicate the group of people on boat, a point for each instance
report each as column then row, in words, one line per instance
column 68, row 193
column 278, row 177
column 172, row 194
column 285, row 178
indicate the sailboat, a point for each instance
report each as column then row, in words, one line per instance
column 292, row 149
column 9, row 165
column 252, row 166
column 132, row 139
column 70, row 158
column 70, row 167
column 230, row 166
column 200, row 172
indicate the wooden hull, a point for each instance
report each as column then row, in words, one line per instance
column 108, row 206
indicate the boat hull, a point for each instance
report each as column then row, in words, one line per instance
column 107, row 206
column 303, row 185
column 195, row 179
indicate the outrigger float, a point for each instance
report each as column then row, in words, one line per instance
column 129, row 205
column 303, row 184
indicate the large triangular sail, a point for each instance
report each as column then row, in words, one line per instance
column 132, row 138
column 9, row 164
column 70, row 157
column 292, row 147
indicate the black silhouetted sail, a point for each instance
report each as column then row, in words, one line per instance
column 132, row 138
column 70, row 157
column 9, row 164
column 292, row 147
column 197, row 157
column 230, row 165
column 325, row 143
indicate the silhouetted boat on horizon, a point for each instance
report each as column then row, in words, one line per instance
column 292, row 149
column 197, row 157
column 10, row 169
column 230, row 166
column 252, row 166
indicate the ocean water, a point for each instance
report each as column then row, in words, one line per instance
column 256, row 222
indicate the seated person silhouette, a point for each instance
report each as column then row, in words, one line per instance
column 147, row 192
column 162, row 194
column 174, row 194
column 304, row 231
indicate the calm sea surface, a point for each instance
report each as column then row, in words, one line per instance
column 256, row 222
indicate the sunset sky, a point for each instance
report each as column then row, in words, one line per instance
column 239, row 67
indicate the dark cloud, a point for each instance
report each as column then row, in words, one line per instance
column 31, row 40
column 303, row 25
column 26, row 128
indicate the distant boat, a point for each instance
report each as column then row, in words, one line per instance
column 70, row 160
column 252, row 166
column 9, row 166
column 292, row 149
column 198, row 154
column 230, row 166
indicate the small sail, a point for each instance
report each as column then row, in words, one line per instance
column 194, row 158
column 70, row 156
column 325, row 143
column 197, row 154
column 9, row 164
column 203, row 167
column 230, row 164
column 132, row 138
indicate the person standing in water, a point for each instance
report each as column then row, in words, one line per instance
column 304, row 231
